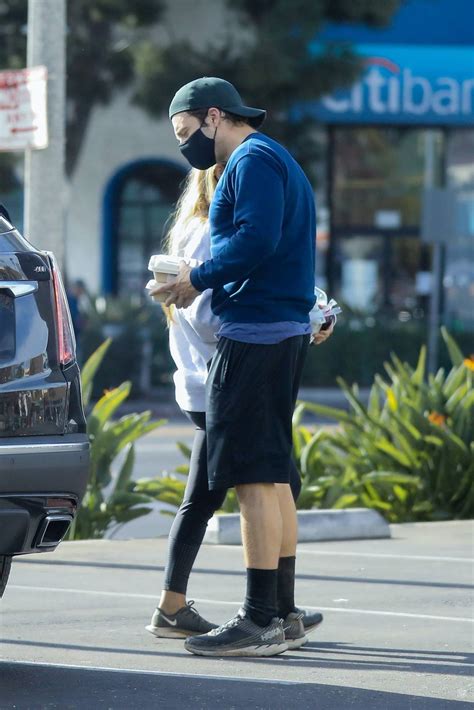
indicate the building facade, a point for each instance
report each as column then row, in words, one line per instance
column 405, row 126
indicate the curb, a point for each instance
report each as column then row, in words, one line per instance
column 313, row 526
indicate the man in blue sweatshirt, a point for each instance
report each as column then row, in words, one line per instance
column 263, row 228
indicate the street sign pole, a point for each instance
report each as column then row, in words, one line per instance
column 44, row 169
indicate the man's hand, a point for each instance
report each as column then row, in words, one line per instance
column 322, row 335
column 180, row 292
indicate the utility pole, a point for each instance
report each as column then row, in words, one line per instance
column 44, row 169
column 437, row 261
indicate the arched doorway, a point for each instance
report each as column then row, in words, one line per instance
column 138, row 201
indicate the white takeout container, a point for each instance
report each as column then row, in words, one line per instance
column 165, row 268
column 152, row 285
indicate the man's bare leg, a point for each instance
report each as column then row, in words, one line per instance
column 289, row 520
column 261, row 537
column 261, row 524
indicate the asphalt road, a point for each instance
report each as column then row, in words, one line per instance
column 397, row 632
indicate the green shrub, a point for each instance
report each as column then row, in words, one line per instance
column 110, row 501
column 409, row 453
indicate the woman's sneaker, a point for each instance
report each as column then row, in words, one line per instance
column 310, row 619
column 240, row 637
column 186, row 622
column 294, row 630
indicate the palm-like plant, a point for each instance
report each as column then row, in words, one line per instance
column 409, row 453
column 110, row 500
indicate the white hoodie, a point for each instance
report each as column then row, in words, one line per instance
column 192, row 333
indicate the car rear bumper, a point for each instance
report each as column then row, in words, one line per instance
column 42, row 481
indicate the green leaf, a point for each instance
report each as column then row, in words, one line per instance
column 126, row 470
column 400, row 493
column 352, row 398
column 126, row 516
column 454, row 380
column 423, row 507
column 329, row 412
column 185, row 450
column 392, row 477
column 298, row 414
column 419, row 374
column 345, row 501
column 89, row 369
column 107, row 405
column 124, row 499
column 309, row 449
column 435, row 440
column 393, row 452
column 374, row 400
column 411, row 430
column 183, row 469
column 457, row 358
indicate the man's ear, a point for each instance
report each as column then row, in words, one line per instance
column 214, row 114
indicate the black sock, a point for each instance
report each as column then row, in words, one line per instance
column 286, row 586
column 260, row 600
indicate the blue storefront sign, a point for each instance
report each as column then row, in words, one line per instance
column 424, row 85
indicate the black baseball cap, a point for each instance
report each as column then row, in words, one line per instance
column 212, row 91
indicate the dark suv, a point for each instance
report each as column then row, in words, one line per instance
column 44, row 448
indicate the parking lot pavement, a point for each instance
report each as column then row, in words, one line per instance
column 397, row 632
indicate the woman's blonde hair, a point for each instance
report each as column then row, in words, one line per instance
column 193, row 204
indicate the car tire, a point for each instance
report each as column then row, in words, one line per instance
column 5, row 565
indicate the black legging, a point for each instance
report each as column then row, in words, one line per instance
column 198, row 507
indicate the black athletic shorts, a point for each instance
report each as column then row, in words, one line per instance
column 250, row 397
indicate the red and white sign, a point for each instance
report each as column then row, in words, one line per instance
column 23, row 121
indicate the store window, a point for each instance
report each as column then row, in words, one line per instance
column 458, row 278
column 138, row 203
column 379, row 175
column 378, row 262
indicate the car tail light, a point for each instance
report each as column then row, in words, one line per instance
column 66, row 339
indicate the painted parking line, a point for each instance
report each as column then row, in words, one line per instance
column 115, row 669
column 220, row 602
column 375, row 555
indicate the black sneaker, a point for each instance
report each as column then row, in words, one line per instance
column 240, row 637
column 310, row 619
column 186, row 622
column 294, row 630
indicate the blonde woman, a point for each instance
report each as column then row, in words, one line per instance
column 192, row 344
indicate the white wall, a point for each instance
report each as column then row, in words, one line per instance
column 119, row 133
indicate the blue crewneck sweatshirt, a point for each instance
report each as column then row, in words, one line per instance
column 263, row 230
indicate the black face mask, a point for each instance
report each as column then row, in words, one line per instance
column 199, row 150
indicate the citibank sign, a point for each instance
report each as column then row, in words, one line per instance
column 425, row 85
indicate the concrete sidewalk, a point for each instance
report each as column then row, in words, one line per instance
column 397, row 632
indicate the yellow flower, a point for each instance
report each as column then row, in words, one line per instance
column 469, row 362
column 392, row 400
column 437, row 418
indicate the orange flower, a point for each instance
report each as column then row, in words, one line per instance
column 469, row 362
column 437, row 418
